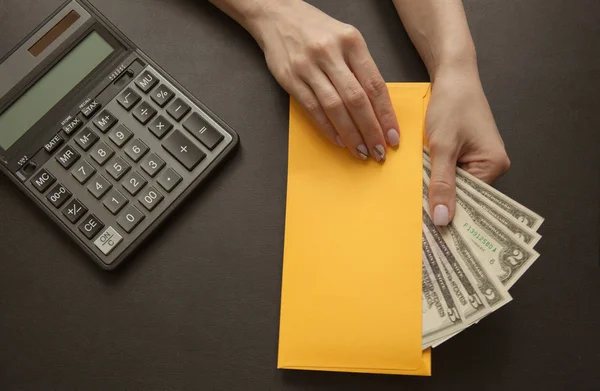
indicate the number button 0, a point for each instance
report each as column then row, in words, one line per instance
column 150, row 198
column 134, row 182
column 120, row 135
column 115, row 201
column 136, row 150
column 101, row 153
column 130, row 218
column 117, row 168
column 99, row 186
column 152, row 164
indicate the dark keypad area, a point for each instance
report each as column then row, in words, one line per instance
column 123, row 160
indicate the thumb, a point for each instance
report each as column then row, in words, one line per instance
column 442, row 186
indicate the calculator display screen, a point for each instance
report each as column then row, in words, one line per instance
column 52, row 87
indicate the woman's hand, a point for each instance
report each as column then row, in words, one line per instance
column 460, row 128
column 326, row 66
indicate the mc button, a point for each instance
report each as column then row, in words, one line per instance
column 42, row 181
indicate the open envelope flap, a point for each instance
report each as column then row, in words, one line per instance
column 351, row 288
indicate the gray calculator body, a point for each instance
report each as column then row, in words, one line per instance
column 99, row 136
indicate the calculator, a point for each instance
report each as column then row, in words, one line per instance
column 99, row 136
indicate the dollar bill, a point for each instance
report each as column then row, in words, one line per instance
column 440, row 315
column 456, row 248
column 515, row 209
column 471, row 304
column 520, row 229
column 499, row 250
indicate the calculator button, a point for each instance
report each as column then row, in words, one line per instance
column 90, row 226
column 54, row 143
column 169, row 179
column 115, row 201
column 108, row 240
column 83, row 171
column 105, row 121
column 67, row 156
column 128, row 99
column 117, row 168
column 152, row 164
column 74, row 211
column 178, row 109
column 99, row 186
column 43, row 180
column 130, row 218
column 150, row 198
column 58, row 195
column 183, row 149
column 146, row 81
column 101, row 153
column 88, row 109
column 162, row 95
column 86, row 138
column 134, row 182
column 72, row 125
column 200, row 129
column 120, row 135
column 144, row 112
column 160, row 126
column 136, row 150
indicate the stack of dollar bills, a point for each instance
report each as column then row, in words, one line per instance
column 470, row 265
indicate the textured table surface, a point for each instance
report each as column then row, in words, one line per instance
column 198, row 307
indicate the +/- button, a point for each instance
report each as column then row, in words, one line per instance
column 74, row 211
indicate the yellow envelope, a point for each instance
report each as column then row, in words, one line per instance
column 351, row 289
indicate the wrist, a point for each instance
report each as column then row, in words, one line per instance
column 463, row 65
column 258, row 16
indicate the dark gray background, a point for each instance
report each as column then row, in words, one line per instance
column 198, row 307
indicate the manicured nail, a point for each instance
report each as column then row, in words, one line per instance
column 363, row 152
column 393, row 137
column 379, row 153
column 339, row 141
column 440, row 215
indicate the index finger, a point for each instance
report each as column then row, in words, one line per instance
column 368, row 76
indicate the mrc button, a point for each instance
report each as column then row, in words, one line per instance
column 43, row 180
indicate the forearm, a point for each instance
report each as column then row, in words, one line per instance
column 439, row 31
column 252, row 14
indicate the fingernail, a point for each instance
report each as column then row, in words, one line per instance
column 339, row 141
column 440, row 215
column 393, row 137
column 363, row 152
column 379, row 153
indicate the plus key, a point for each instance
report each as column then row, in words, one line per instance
column 184, row 150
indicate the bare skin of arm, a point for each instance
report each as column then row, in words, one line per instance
column 460, row 125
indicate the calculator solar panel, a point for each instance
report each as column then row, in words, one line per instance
column 103, row 139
